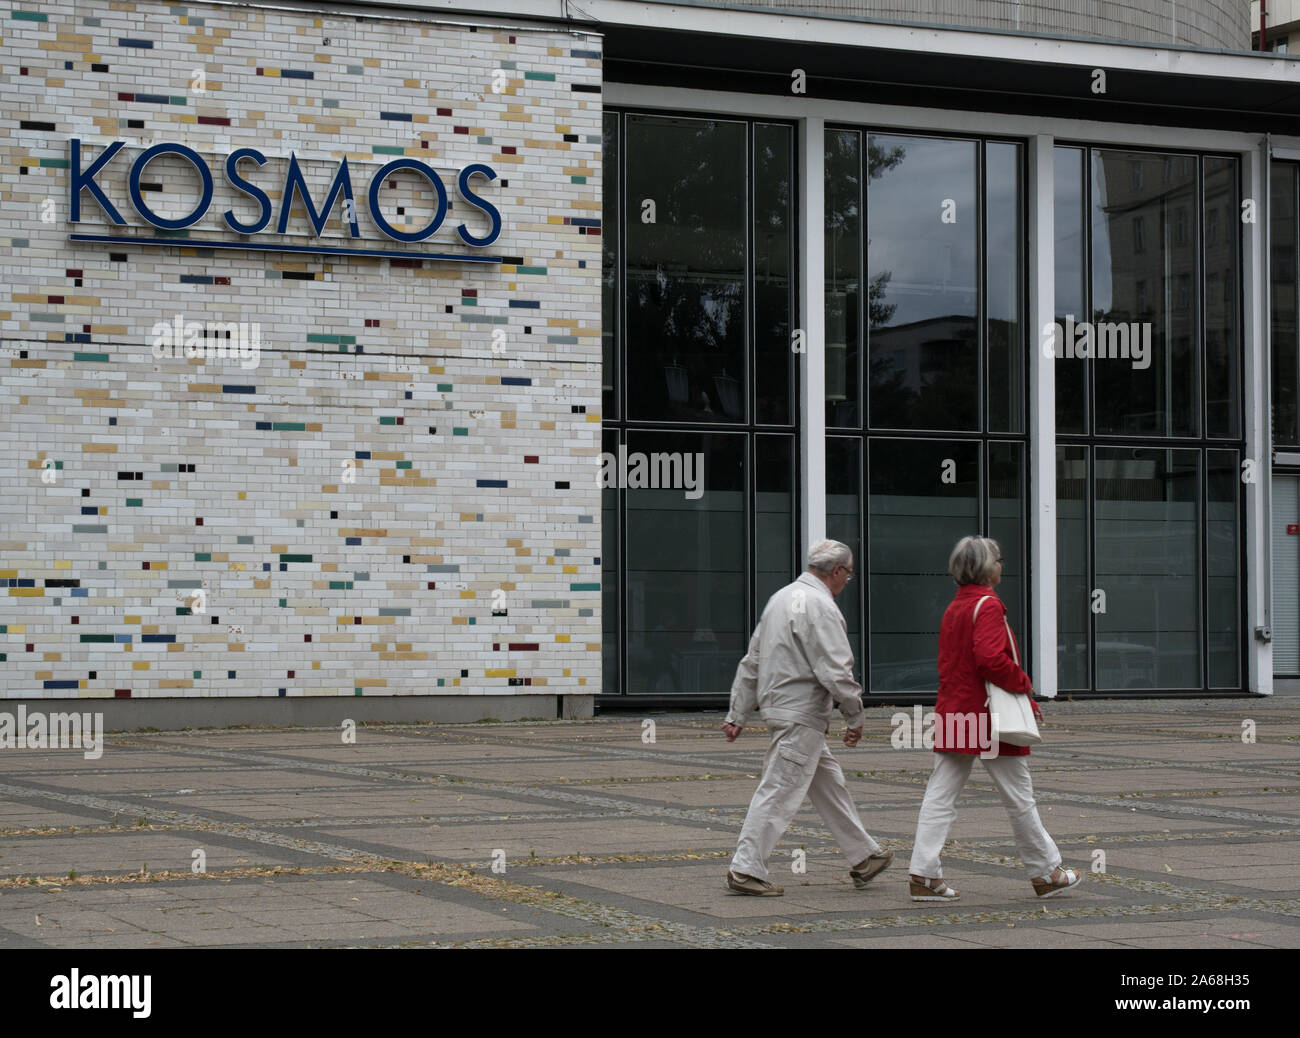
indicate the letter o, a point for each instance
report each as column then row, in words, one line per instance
column 377, row 181
column 137, row 200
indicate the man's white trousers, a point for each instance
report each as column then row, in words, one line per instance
column 799, row 762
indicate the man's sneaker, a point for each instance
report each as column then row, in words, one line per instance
column 743, row 884
column 863, row 872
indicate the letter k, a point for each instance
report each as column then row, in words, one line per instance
column 85, row 181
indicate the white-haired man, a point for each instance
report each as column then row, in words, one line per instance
column 799, row 666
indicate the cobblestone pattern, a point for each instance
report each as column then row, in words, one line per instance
column 579, row 833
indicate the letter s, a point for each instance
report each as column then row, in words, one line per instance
column 463, row 189
column 243, row 186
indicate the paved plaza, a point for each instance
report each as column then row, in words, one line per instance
column 583, row 833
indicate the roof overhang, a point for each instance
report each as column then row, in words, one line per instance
column 746, row 50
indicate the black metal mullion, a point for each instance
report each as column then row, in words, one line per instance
column 1201, row 373
column 797, row 320
column 982, row 365
column 620, row 390
column 864, row 550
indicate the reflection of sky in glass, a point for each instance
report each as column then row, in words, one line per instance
column 1002, row 227
column 932, row 264
column 1068, row 221
column 1102, row 288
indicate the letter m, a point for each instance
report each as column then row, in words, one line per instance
column 294, row 182
column 115, row 992
column 61, row 728
column 668, row 471
column 1112, row 340
column 961, row 731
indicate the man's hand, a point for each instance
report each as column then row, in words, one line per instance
column 852, row 735
column 731, row 731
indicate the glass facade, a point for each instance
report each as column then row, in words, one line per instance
column 699, row 277
column 925, row 280
column 1284, row 236
column 926, row 394
column 1149, row 420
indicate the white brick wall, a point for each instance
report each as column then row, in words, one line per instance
column 404, row 559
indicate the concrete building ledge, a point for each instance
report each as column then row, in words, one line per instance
column 124, row 715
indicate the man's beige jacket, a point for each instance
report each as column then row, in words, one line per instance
column 799, row 663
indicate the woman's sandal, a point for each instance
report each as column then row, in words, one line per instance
column 930, row 890
column 1046, row 886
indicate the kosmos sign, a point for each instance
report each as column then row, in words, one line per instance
column 242, row 172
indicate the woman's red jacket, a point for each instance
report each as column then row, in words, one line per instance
column 972, row 651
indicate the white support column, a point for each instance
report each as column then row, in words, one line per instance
column 1042, row 414
column 812, row 362
column 1259, row 653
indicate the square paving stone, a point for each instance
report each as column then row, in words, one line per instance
column 16, row 815
column 97, row 853
column 888, row 940
column 521, row 839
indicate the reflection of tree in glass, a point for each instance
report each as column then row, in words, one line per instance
column 923, row 373
column 685, row 271
column 883, row 376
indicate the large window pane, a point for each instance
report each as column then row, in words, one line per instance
column 685, row 268
column 1071, row 391
column 686, row 563
column 773, row 517
column 609, row 315
column 844, row 524
column 773, row 230
column 922, row 283
column 1222, row 552
column 843, row 197
column 1148, row 563
column 1222, row 305
column 1006, row 511
column 923, row 498
column 1072, row 590
column 1004, row 277
column 610, row 612
column 1285, row 224
column 1145, row 282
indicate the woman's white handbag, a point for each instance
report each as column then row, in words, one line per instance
column 1011, row 715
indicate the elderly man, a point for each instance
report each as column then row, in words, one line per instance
column 798, row 666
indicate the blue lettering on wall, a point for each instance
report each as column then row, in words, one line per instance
column 85, row 181
column 294, row 186
column 377, row 181
column 252, row 190
column 463, row 188
column 142, row 207
column 294, row 183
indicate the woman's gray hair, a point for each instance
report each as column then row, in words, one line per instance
column 824, row 556
column 972, row 561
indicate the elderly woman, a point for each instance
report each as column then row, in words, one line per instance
column 976, row 645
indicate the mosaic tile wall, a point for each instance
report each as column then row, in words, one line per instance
column 393, row 501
